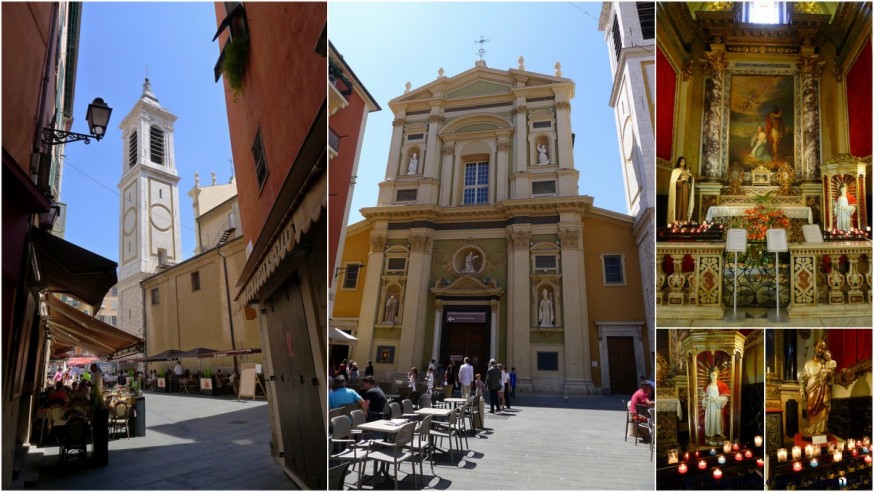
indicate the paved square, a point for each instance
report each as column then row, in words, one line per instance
column 544, row 443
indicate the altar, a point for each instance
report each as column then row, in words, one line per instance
column 790, row 211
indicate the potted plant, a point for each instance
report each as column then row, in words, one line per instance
column 164, row 381
column 236, row 57
column 207, row 386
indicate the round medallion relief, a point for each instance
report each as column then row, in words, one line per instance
column 469, row 261
column 161, row 217
column 130, row 221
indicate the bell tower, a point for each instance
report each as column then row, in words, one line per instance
column 149, row 226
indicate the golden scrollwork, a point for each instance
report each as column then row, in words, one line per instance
column 735, row 178
column 718, row 6
column 806, row 8
column 714, row 62
column 686, row 70
column 848, row 375
column 811, row 65
column 785, row 177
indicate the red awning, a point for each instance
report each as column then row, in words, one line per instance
column 69, row 326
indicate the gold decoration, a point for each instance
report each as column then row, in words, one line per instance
column 686, row 69
column 806, row 8
column 735, row 178
column 811, row 65
column 718, row 6
column 714, row 63
column 848, row 375
column 785, row 178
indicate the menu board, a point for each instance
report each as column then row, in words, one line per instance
column 247, row 381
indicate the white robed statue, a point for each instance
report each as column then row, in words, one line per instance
column 545, row 312
column 681, row 193
column 714, row 400
column 844, row 211
column 413, row 167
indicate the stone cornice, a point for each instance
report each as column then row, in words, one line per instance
column 503, row 210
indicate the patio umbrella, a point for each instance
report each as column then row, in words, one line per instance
column 165, row 355
column 229, row 353
column 198, row 352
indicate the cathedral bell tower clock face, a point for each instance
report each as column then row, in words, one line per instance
column 627, row 139
column 130, row 221
column 159, row 216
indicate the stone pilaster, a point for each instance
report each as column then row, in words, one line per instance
column 518, row 304
column 432, row 159
column 370, row 300
column 502, row 178
column 394, row 150
column 563, row 131
column 577, row 359
column 416, row 298
column 447, row 151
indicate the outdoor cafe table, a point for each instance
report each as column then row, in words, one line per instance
column 436, row 412
column 455, row 401
column 390, row 428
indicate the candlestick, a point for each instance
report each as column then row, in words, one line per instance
column 717, row 473
column 726, row 446
column 758, row 441
column 738, row 457
column 721, row 459
column 796, row 452
column 702, row 465
column 781, row 455
column 796, row 466
column 673, row 456
column 682, row 468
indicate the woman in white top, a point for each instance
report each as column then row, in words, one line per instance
column 429, row 380
column 505, row 386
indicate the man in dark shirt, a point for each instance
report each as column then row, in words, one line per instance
column 493, row 384
column 449, row 379
column 375, row 397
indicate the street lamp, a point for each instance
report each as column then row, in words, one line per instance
column 98, row 119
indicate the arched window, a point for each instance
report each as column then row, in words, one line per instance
column 156, row 137
column 132, row 149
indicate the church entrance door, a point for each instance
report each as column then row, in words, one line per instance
column 467, row 339
column 623, row 371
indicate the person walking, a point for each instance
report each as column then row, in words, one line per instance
column 449, row 379
column 505, row 384
column 493, row 384
column 465, row 378
column 513, row 382
column 368, row 371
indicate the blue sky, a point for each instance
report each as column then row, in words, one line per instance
column 117, row 41
column 388, row 44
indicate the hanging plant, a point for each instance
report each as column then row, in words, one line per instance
column 236, row 57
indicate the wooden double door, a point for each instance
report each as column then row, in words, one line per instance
column 467, row 340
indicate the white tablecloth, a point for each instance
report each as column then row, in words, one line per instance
column 791, row 211
column 669, row 405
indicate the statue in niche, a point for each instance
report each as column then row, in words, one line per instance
column 542, row 158
column 680, row 193
column 413, row 168
column 468, row 263
column 391, row 310
column 546, row 313
column 816, row 386
column 844, row 210
column 714, row 400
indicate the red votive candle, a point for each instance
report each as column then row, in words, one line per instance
column 717, row 473
column 748, row 454
column 868, row 459
column 738, row 457
column 702, row 464
column 796, row 466
column 682, row 468
column 760, row 463
column 735, row 446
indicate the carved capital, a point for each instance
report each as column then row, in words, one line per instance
column 448, row 149
column 686, row 70
column 519, row 239
column 419, row 242
column 563, row 105
column 715, row 63
column 522, row 108
column 398, row 122
column 570, row 237
column 838, row 71
column 810, row 65
column 436, row 118
column 377, row 242
column 504, row 146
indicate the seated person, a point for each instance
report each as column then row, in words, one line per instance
column 375, row 398
column 641, row 397
column 341, row 395
column 58, row 394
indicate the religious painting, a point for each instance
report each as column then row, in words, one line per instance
column 714, row 397
column 385, row 354
column 762, row 121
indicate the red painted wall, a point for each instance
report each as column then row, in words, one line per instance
column 347, row 124
column 666, row 85
column 283, row 90
column 859, row 103
column 849, row 346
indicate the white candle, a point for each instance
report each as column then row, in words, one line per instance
column 808, row 451
column 781, row 455
column 837, row 456
column 726, row 446
column 758, row 441
column 796, row 452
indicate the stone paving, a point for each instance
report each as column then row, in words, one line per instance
column 544, row 443
column 191, row 442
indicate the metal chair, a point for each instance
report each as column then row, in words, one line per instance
column 118, row 418
column 642, row 411
column 422, row 445
column 394, row 453
column 628, row 419
column 448, row 430
column 343, row 447
column 75, row 442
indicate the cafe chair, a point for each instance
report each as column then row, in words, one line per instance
column 408, row 411
column 425, row 401
column 395, row 409
column 344, row 448
column 337, row 476
column 628, row 420
column 448, row 430
column 75, row 443
column 118, row 418
column 358, row 418
column 422, row 445
column 472, row 412
column 640, row 423
column 80, row 408
column 394, row 453
column 652, row 430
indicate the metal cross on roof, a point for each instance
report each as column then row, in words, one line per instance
column 481, row 42
column 146, row 68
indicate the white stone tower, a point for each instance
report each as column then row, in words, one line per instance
column 630, row 36
column 149, row 226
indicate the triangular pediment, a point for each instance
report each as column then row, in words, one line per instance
column 479, row 88
column 467, row 285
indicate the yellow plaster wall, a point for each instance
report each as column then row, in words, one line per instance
column 347, row 302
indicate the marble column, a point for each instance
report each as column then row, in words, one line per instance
column 810, row 67
column 712, row 165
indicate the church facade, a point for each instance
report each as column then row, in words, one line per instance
column 481, row 246
column 764, row 124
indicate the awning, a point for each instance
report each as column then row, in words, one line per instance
column 197, row 352
column 69, row 326
column 340, row 337
column 165, row 355
column 68, row 269
column 231, row 353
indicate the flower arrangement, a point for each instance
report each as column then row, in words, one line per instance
column 757, row 220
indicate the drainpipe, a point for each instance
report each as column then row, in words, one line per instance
column 228, row 294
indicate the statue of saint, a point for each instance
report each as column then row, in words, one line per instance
column 413, row 168
column 468, row 263
column 680, row 193
column 714, row 400
column 844, row 211
column 391, row 309
column 816, row 386
column 545, row 314
column 542, row 158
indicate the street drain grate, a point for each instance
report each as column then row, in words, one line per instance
column 237, row 422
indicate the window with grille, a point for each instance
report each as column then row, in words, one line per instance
column 617, row 38
column 476, row 183
column 132, row 149
column 156, row 140
column 646, row 16
column 195, row 281
column 545, row 263
column 547, row 361
column 156, row 298
column 350, row 281
column 613, row 270
column 260, row 159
